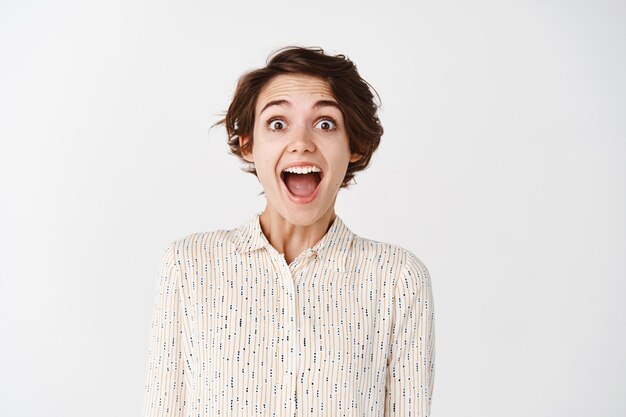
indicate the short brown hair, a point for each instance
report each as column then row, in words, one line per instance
column 354, row 95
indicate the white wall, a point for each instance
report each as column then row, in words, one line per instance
column 503, row 167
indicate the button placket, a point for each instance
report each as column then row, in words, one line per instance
column 285, row 273
column 288, row 273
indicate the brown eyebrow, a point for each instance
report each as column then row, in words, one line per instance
column 326, row 103
column 318, row 104
column 274, row 103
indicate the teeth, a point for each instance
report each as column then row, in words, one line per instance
column 302, row 170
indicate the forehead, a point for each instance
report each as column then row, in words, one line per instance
column 294, row 86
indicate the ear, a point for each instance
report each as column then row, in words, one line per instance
column 355, row 157
column 246, row 155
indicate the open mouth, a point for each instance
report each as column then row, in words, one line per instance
column 301, row 183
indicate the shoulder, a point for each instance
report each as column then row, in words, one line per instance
column 410, row 265
column 205, row 242
column 377, row 248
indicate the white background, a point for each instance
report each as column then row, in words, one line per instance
column 502, row 167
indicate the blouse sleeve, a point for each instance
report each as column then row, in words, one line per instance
column 167, row 377
column 410, row 366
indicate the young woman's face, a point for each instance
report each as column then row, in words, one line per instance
column 298, row 122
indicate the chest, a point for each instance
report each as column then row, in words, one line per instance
column 269, row 320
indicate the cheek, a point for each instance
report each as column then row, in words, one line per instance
column 340, row 166
column 341, row 157
column 264, row 161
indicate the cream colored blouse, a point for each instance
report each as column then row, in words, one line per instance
column 346, row 329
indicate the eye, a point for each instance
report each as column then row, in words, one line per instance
column 326, row 124
column 276, row 124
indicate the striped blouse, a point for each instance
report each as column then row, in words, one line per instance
column 346, row 329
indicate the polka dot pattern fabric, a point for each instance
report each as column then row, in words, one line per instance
column 346, row 329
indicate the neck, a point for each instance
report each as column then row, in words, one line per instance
column 292, row 239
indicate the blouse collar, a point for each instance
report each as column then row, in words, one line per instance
column 250, row 237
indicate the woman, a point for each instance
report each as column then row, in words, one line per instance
column 292, row 313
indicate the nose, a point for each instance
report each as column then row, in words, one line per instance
column 302, row 141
